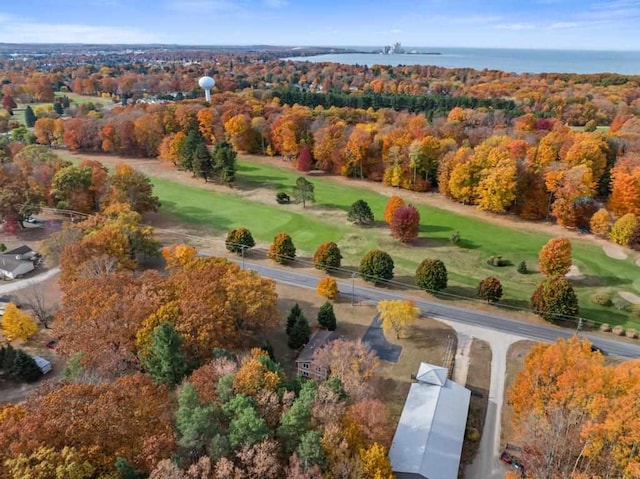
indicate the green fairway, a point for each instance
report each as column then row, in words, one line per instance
column 467, row 263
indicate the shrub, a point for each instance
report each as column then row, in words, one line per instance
column 239, row 239
column 328, row 288
column 601, row 297
column 431, row 275
column 394, row 203
column 283, row 198
column 621, row 304
column 360, row 213
column 24, row 367
column 554, row 299
column 472, row 434
column 601, row 223
column 3, row 248
column 282, row 249
column 455, row 238
column 522, row 267
column 623, row 229
column 618, row 330
column 326, row 317
column 605, row 327
column 405, row 223
column 631, row 333
column 327, row 257
column 376, row 266
column 497, row 261
column 490, row 289
column 555, row 257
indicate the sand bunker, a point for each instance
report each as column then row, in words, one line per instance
column 632, row 298
column 574, row 273
column 615, row 252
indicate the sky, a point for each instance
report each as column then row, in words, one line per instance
column 545, row 24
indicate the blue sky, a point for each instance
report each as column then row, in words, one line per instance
column 571, row 24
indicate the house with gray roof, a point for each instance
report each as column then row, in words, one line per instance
column 428, row 440
column 306, row 366
column 18, row 262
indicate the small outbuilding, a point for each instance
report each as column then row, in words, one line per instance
column 43, row 364
column 429, row 437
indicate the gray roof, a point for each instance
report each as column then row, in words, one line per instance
column 19, row 250
column 9, row 263
column 317, row 340
column 430, row 433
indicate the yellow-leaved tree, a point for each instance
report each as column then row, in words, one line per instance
column 375, row 463
column 397, row 314
column 16, row 324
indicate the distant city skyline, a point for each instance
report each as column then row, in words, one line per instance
column 537, row 24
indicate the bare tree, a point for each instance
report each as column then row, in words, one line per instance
column 34, row 298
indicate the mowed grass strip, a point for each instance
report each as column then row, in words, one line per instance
column 467, row 263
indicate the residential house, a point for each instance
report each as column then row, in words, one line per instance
column 428, row 440
column 18, row 262
column 306, row 366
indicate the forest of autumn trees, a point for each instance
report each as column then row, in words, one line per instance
column 575, row 414
column 518, row 156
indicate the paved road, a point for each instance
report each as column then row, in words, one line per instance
column 456, row 314
column 23, row 283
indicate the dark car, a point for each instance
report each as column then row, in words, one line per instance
column 596, row 349
column 506, row 457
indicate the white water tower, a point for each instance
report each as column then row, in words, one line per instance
column 207, row 83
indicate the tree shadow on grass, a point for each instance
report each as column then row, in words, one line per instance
column 454, row 293
column 429, row 229
column 426, row 242
column 197, row 216
column 600, row 281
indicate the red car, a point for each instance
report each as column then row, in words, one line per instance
column 506, row 457
column 53, row 344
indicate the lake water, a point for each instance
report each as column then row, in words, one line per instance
column 517, row 61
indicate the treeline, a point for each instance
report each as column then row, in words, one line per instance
column 431, row 105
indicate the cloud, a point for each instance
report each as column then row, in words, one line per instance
column 515, row 27
column 16, row 30
column 561, row 25
column 395, row 30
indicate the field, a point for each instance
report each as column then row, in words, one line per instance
column 18, row 113
column 326, row 221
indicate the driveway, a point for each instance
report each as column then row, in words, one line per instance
column 23, row 283
column 374, row 337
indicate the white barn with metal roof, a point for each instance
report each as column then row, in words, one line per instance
column 430, row 433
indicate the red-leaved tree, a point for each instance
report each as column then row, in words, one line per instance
column 405, row 223
column 304, row 160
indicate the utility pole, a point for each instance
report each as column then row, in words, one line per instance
column 579, row 327
column 353, row 288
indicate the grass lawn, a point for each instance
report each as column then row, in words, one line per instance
column 81, row 99
column 326, row 221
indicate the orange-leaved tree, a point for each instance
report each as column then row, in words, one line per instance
column 328, row 288
column 393, row 204
column 555, row 257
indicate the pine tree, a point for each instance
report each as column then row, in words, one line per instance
column 326, row 317
column 24, row 367
column 224, row 162
column 29, row 117
column 194, row 422
column 310, row 450
column 164, row 359
column 299, row 334
column 294, row 314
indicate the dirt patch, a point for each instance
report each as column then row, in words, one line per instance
column 614, row 251
column 515, row 361
column 478, row 381
column 632, row 298
column 574, row 273
column 638, row 261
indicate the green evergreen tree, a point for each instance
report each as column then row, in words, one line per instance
column 202, row 162
column 360, row 213
column 300, row 333
column 327, row 317
column 164, row 360
column 294, row 314
column 24, row 367
column 247, row 428
column 8, row 355
column 29, row 117
column 188, row 150
column 195, row 422
column 310, row 450
column 224, row 162
column 297, row 419
column 126, row 470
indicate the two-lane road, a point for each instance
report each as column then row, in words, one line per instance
column 458, row 314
